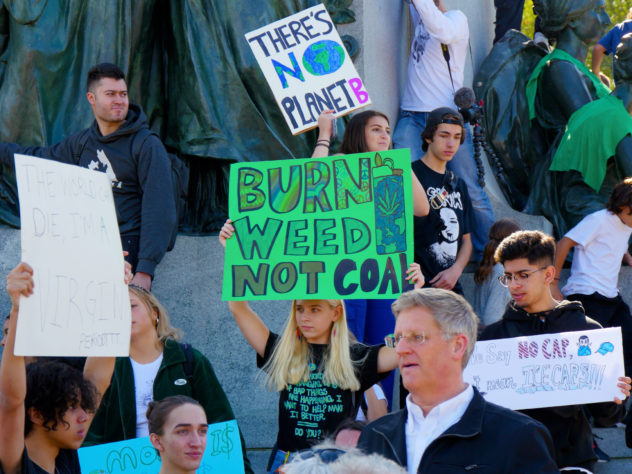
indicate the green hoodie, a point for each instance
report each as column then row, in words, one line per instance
column 116, row 418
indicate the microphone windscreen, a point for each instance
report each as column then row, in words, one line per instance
column 464, row 98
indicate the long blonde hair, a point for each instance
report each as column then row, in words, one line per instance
column 289, row 362
column 163, row 327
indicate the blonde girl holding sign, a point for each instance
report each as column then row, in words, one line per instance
column 319, row 373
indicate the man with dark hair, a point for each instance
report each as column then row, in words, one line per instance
column 45, row 408
column 527, row 258
column 442, row 238
column 447, row 426
column 120, row 144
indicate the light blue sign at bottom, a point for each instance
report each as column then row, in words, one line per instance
column 222, row 455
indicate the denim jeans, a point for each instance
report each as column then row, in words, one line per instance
column 408, row 135
column 508, row 16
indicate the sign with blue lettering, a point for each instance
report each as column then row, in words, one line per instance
column 334, row 227
column 568, row 368
column 223, row 454
column 308, row 68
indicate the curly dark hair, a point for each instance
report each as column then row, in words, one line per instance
column 535, row 246
column 51, row 388
column 621, row 197
column 622, row 68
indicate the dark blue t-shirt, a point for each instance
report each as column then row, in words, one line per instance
column 612, row 39
column 66, row 462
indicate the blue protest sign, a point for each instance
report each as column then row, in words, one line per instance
column 222, row 455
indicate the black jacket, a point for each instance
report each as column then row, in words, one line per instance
column 569, row 427
column 488, row 438
column 141, row 184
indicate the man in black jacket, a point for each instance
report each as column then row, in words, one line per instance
column 120, row 144
column 527, row 257
column 447, row 425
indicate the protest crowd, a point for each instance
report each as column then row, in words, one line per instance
column 385, row 381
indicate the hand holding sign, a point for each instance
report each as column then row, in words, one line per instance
column 20, row 283
column 624, row 385
column 226, row 232
column 569, row 368
column 307, row 67
column 344, row 219
column 70, row 237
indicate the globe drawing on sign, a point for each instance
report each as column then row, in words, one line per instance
column 323, row 57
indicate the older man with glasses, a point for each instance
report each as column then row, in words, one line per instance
column 446, row 424
column 527, row 258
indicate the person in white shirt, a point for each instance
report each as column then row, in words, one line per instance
column 446, row 424
column 601, row 243
column 435, row 72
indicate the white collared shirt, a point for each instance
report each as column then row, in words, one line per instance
column 422, row 430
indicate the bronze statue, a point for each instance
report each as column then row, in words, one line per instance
column 219, row 106
column 531, row 123
column 47, row 48
column 187, row 63
column 596, row 150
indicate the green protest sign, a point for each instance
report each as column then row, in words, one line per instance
column 318, row 228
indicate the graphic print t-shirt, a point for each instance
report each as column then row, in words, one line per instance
column 309, row 411
column 438, row 235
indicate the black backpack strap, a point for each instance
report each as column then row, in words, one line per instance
column 83, row 139
column 188, row 363
column 446, row 56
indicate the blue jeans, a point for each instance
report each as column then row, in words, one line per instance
column 408, row 135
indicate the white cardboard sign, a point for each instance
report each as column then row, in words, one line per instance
column 308, row 68
column 80, row 303
column 569, row 368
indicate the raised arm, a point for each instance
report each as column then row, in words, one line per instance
column 561, row 251
column 98, row 371
column 598, row 53
column 250, row 324
column 13, row 377
column 325, row 129
column 447, row 29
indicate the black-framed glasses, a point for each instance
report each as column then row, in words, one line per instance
column 520, row 277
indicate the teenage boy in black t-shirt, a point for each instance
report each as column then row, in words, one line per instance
column 45, row 408
column 442, row 238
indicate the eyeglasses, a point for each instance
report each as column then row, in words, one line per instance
column 412, row 339
column 326, row 455
column 520, row 277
